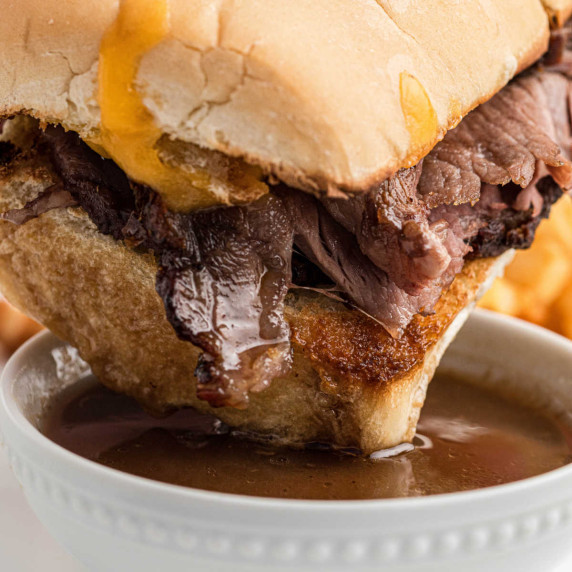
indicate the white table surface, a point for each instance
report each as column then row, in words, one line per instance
column 25, row 545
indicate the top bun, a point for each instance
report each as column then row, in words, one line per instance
column 328, row 95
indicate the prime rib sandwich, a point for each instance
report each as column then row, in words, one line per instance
column 276, row 212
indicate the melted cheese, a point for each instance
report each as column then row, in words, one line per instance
column 420, row 116
column 128, row 132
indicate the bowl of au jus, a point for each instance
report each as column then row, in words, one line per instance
column 485, row 485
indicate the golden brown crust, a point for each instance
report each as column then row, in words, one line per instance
column 350, row 383
column 319, row 114
column 358, row 352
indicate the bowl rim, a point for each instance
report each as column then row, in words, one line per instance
column 10, row 409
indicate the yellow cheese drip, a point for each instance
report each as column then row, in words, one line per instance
column 420, row 116
column 128, row 131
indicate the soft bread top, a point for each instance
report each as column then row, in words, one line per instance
column 329, row 95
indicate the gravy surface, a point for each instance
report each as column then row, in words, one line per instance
column 467, row 439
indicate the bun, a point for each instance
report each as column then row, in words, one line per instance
column 351, row 383
column 324, row 94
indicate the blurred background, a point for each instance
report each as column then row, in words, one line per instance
column 537, row 286
column 15, row 329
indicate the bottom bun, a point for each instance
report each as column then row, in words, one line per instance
column 351, row 384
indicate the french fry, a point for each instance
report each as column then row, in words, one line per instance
column 502, row 297
column 562, row 310
column 559, row 226
column 15, row 328
column 537, row 285
column 544, row 269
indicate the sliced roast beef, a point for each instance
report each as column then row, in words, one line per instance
column 334, row 249
column 336, row 252
column 98, row 184
column 520, row 136
column 223, row 273
column 223, row 276
column 54, row 197
column 392, row 228
column 503, row 141
column 500, row 219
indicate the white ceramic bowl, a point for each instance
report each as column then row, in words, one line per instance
column 113, row 521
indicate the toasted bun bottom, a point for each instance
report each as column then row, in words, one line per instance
column 351, row 384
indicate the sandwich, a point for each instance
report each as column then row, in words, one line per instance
column 276, row 212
